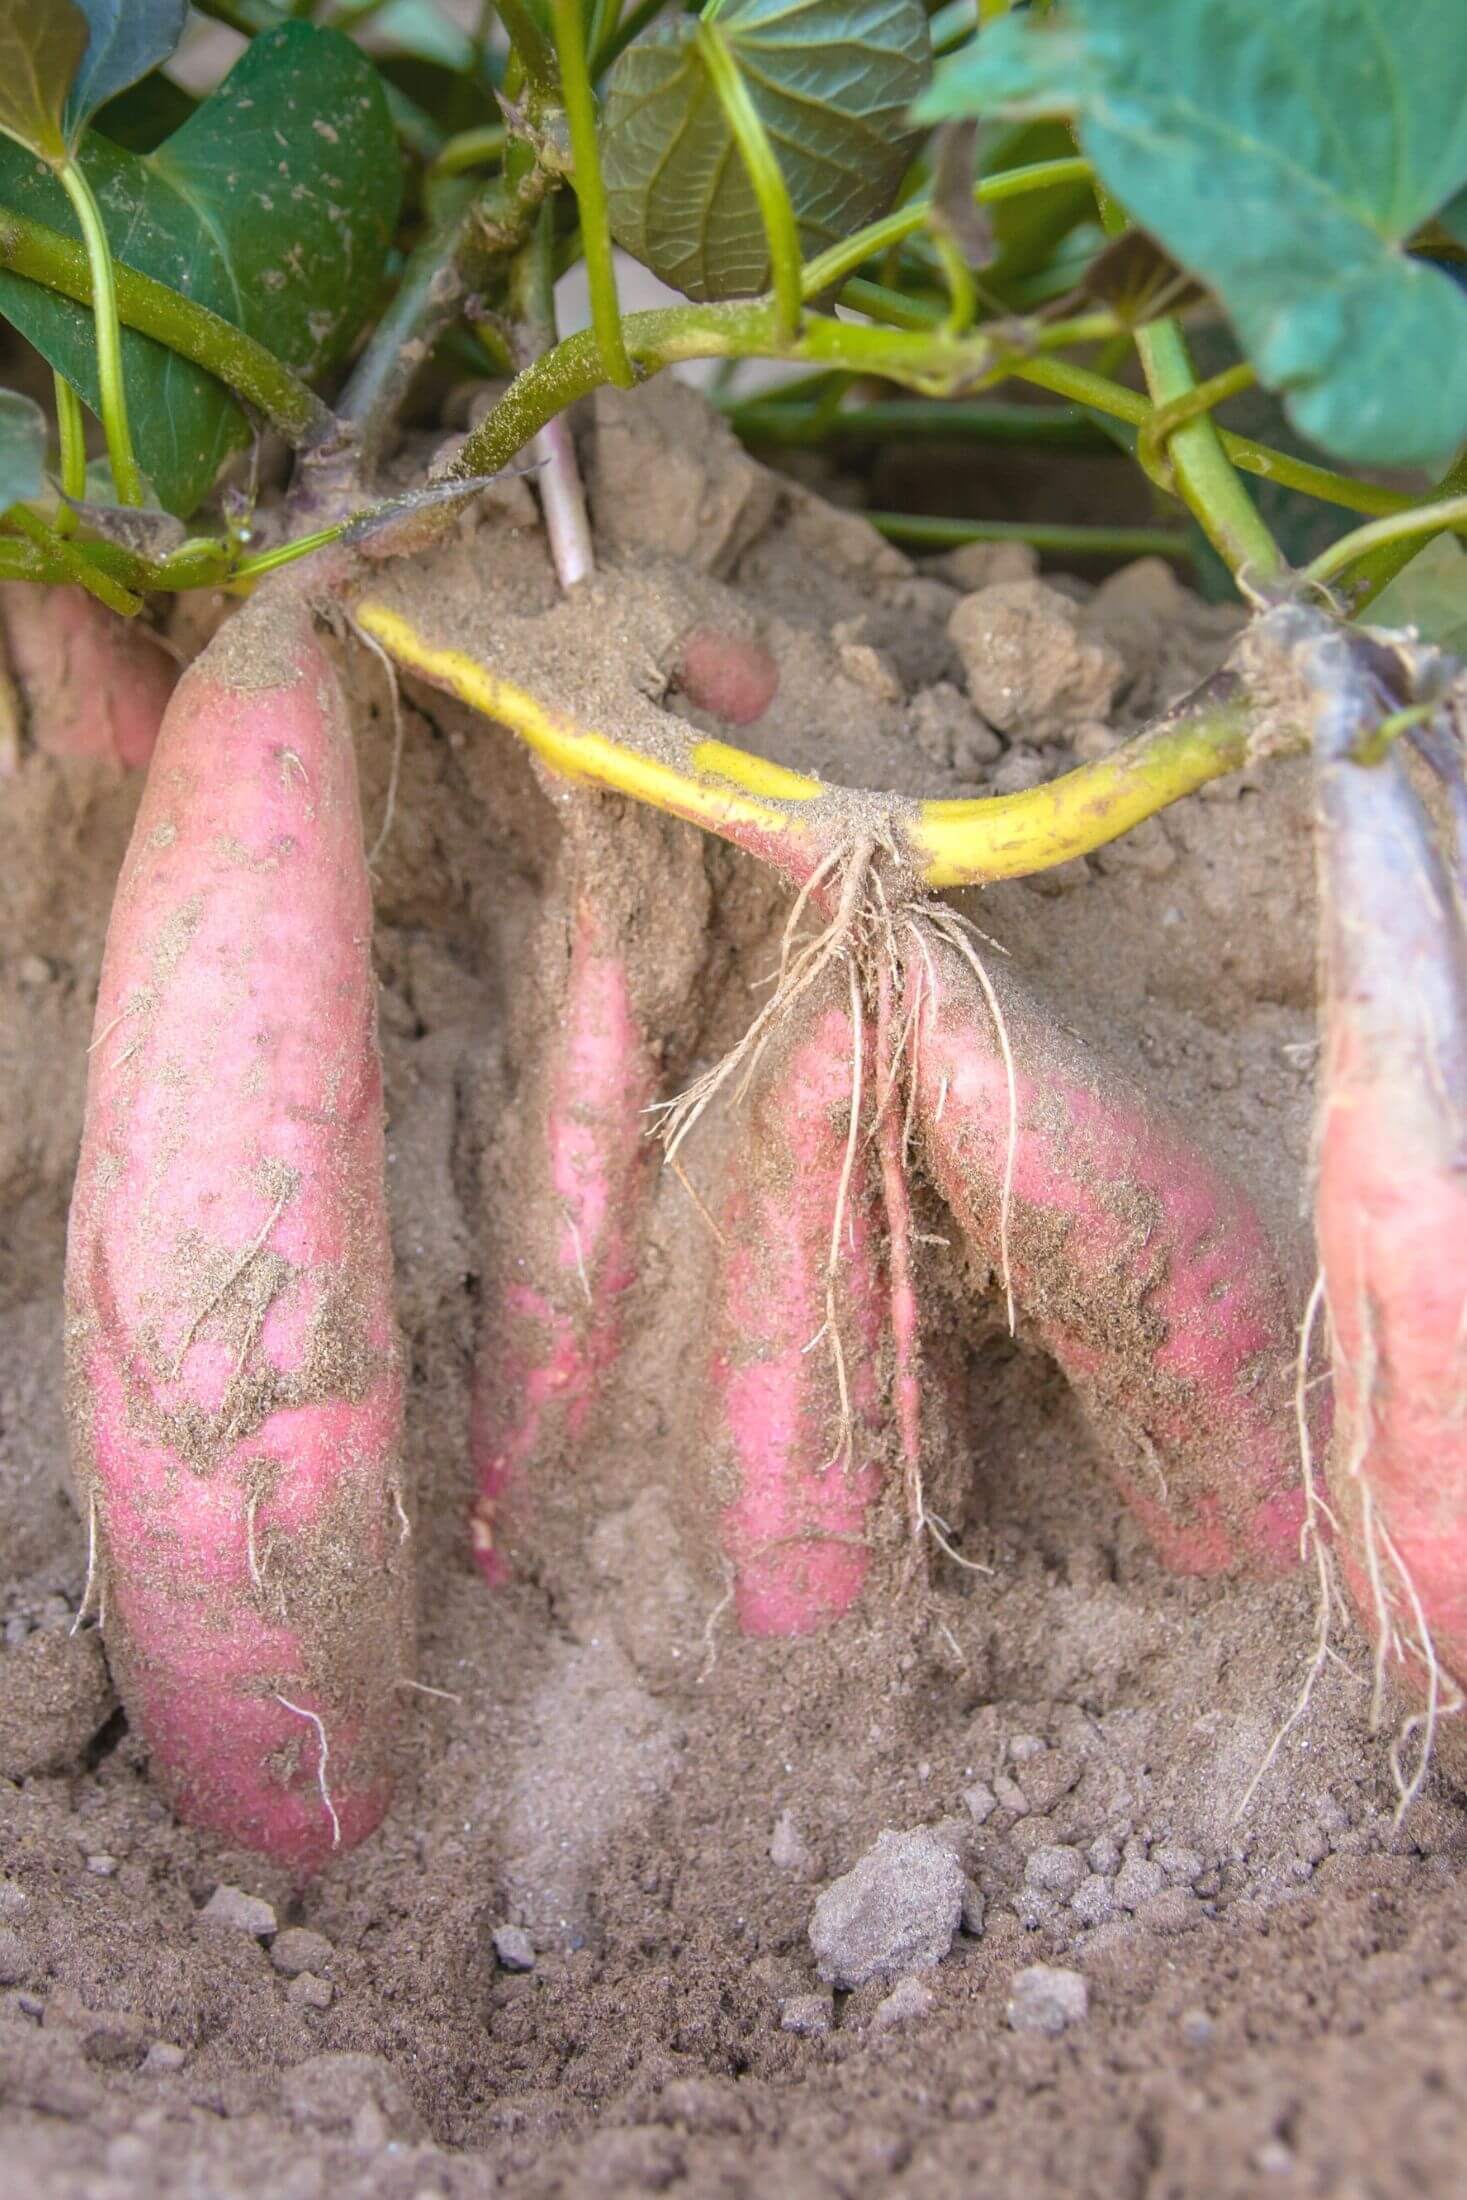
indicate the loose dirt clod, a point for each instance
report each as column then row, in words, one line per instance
column 895, row 1911
column 1044, row 1998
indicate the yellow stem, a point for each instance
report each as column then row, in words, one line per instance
column 794, row 821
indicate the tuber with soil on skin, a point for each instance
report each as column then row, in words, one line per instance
column 795, row 1357
column 1391, row 1195
column 234, row 1377
column 570, row 1220
column 1144, row 1272
column 234, row 1367
column 89, row 683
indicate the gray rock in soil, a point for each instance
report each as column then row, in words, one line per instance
column 1054, row 1869
column 896, row 1911
column 513, row 1948
column 975, row 1911
column 808, row 2016
column 980, row 1802
column 298, row 1949
column 1092, row 1901
column 1137, row 1881
column 162, row 2057
column 309, row 1992
column 232, row 1910
column 1047, row 1999
column 904, row 2004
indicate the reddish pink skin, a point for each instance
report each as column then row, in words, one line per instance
column 794, row 1535
column 1391, row 1196
column 235, row 1106
column 554, row 1337
column 95, row 686
column 734, row 678
column 1134, row 1223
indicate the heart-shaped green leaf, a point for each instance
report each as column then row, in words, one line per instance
column 274, row 205
column 22, row 449
column 41, row 46
column 832, row 81
column 1284, row 154
column 127, row 38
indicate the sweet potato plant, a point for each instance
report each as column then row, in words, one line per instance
column 229, row 291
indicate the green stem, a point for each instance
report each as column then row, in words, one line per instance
column 930, row 362
column 527, row 36
column 427, row 299
column 590, row 190
column 1084, row 387
column 1204, row 474
column 621, row 35
column 247, row 368
column 21, row 561
column 125, row 474
column 961, row 289
column 1205, row 477
column 286, row 553
column 915, row 420
column 72, row 429
column 781, row 231
column 893, row 308
column 1421, row 519
column 71, row 564
column 481, row 148
column 927, row 532
column 1205, row 397
column 1381, row 565
column 843, row 259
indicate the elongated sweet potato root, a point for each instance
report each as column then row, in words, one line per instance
column 571, row 1169
column 233, row 1360
column 1143, row 1271
column 795, row 1382
column 1391, row 1205
column 91, row 684
column 553, row 1332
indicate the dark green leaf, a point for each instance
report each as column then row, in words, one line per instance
column 41, row 45
column 146, row 113
column 22, row 449
column 1431, row 595
column 127, row 38
column 1284, row 154
column 832, row 80
column 274, row 205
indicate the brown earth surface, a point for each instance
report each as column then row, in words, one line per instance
column 1274, row 1997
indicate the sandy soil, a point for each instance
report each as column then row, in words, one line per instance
column 1273, row 2000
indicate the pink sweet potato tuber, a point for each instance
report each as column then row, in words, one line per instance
column 1391, row 1207
column 1144, row 1272
column 730, row 675
column 91, row 684
column 233, row 1360
column 805, row 1470
column 553, row 1329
